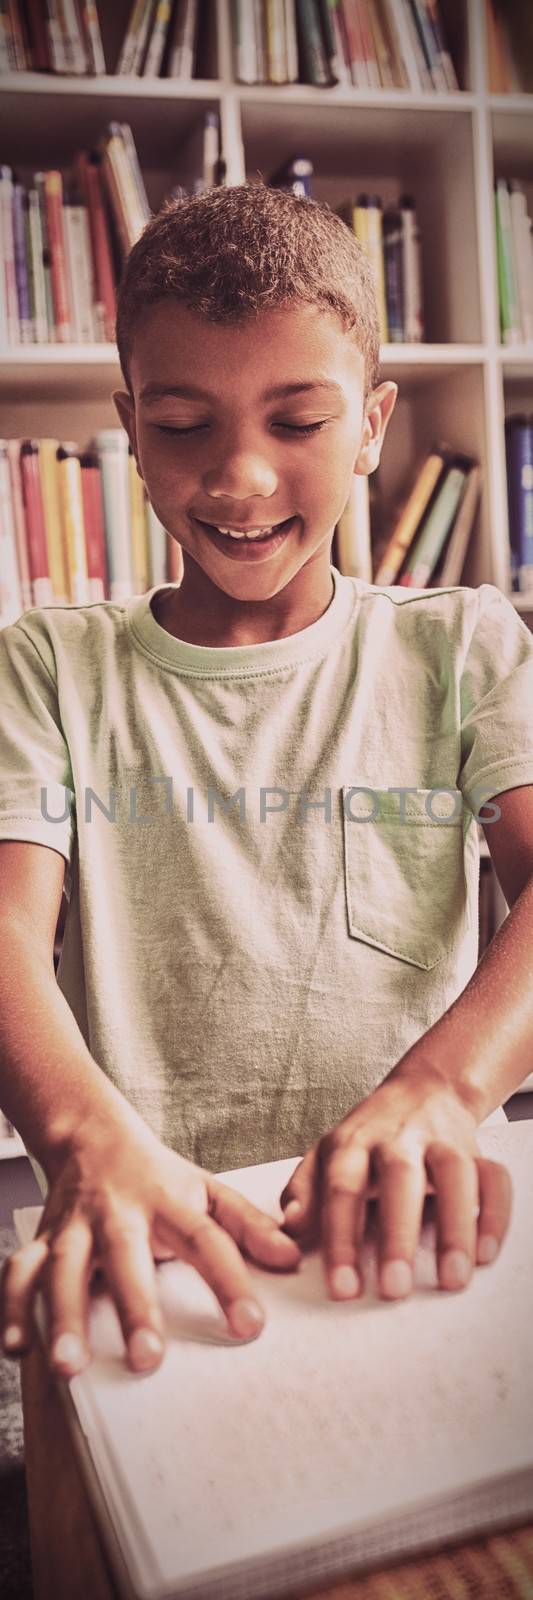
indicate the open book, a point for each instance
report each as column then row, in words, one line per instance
column 345, row 1435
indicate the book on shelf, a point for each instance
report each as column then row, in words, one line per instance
column 430, row 539
column 76, row 526
column 391, row 240
column 376, row 44
column 343, row 1438
column 509, row 42
column 64, row 239
column 519, row 464
column 65, row 37
column 514, row 254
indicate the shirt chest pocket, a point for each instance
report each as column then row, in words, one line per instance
column 404, row 871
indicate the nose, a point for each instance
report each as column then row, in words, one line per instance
column 239, row 472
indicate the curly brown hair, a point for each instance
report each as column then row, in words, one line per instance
column 230, row 252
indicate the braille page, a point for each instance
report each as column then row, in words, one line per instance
column 342, row 1435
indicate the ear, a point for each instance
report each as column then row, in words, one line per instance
column 125, row 406
column 378, row 412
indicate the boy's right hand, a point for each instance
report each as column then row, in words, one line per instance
column 116, row 1201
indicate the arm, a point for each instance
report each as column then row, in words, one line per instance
column 50, row 1085
column 421, row 1120
column 482, row 1047
column 117, row 1196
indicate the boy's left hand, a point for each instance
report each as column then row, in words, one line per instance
column 410, row 1129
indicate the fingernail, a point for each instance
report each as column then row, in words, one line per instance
column 246, row 1317
column 344, row 1282
column 396, row 1279
column 12, row 1337
column 292, row 1211
column 144, row 1347
column 68, row 1351
column 487, row 1249
column 455, row 1269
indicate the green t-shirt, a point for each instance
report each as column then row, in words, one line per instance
column 258, row 926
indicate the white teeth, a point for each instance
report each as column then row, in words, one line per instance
column 251, row 533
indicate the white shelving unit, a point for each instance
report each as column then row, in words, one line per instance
column 446, row 149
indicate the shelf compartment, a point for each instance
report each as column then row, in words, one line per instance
column 388, row 151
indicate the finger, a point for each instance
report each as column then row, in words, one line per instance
column 299, row 1199
column 65, row 1283
column 128, row 1264
column 456, row 1187
column 495, row 1205
column 19, row 1281
column 342, row 1218
column 401, row 1190
column 254, row 1231
column 200, row 1240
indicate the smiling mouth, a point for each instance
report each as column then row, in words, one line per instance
column 249, row 536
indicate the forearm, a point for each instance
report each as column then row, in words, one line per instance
column 50, row 1085
column 483, row 1045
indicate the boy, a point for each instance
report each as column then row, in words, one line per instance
column 273, row 872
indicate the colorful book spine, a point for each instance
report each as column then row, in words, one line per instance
column 39, row 181
column 141, row 43
column 245, row 53
column 158, row 36
column 75, row 44
column 367, row 44
column 93, row 37
column 21, row 265
column 437, row 526
column 382, row 51
column 73, row 523
column 37, row 264
column 519, row 457
column 316, row 69
column 10, row 588
column 79, row 270
column 8, row 253
column 413, row 319
column 41, row 583
column 454, row 557
column 53, row 189
column 393, row 269
column 291, row 41
column 510, row 326
column 53, row 521
column 335, row 39
column 276, row 41
column 19, row 519
column 126, row 58
column 89, row 176
column 400, row 31
column 111, row 445
column 183, row 37
column 416, row 505
column 93, row 517
column 522, row 254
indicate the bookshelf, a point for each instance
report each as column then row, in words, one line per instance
column 445, row 148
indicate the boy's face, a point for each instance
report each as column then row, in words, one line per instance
column 235, row 455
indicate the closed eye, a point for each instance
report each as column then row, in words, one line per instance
column 290, row 427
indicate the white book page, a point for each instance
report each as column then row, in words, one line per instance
column 338, row 1417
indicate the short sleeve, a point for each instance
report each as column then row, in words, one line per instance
column 36, row 784
column 496, row 701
